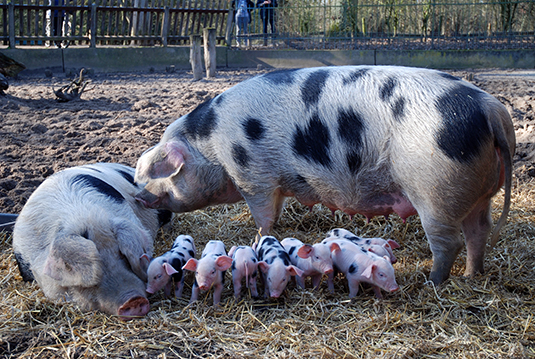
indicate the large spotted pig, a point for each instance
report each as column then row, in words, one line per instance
column 369, row 139
column 81, row 235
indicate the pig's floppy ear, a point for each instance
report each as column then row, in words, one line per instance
column 74, row 261
column 305, row 251
column 133, row 242
column 294, row 271
column 162, row 161
column 368, row 271
column 191, row 265
column 223, row 263
column 264, row 267
column 169, row 269
column 334, row 247
column 393, row 244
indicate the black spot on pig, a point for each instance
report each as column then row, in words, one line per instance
column 398, row 109
column 313, row 86
column 354, row 161
column 191, row 253
column 281, row 77
column 336, row 232
column 254, row 130
column 313, row 142
column 177, row 264
column 24, row 268
column 356, row 75
column 255, row 273
column 353, row 268
column 387, row 90
column 449, row 77
column 233, row 266
column 127, row 176
column 201, row 122
column 292, row 250
column 283, row 255
column 164, row 217
column 270, row 260
column 239, row 153
column 464, row 128
column 99, row 185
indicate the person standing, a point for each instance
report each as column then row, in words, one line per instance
column 267, row 14
column 242, row 18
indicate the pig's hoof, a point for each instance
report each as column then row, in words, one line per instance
column 134, row 308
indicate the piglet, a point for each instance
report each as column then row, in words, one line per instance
column 167, row 268
column 361, row 265
column 379, row 246
column 244, row 265
column 314, row 260
column 275, row 264
column 209, row 270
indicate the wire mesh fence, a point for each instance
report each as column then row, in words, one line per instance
column 304, row 24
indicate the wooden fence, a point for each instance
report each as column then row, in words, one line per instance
column 65, row 22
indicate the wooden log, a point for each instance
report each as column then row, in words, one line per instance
column 165, row 26
column 195, row 57
column 209, row 51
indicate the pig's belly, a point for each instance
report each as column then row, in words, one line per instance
column 378, row 204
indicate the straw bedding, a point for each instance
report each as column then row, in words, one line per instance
column 490, row 316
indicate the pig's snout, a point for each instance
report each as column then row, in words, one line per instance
column 328, row 270
column 134, row 308
column 147, row 199
column 150, row 290
column 394, row 288
column 204, row 287
column 275, row 294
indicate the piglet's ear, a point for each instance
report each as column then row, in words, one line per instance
column 232, row 250
column 223, row 263
column 334, row 247
column 191, row 265
column 305, row 251
column 169, row 269
column 294, row 271
column 368, row 271
column 393, row 244
column 264, row 267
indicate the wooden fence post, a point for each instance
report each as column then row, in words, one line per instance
column 230, row 21
column 195, row 56
column 165, row 26
column 93, row 26
column 11, row 22
column 209, row 51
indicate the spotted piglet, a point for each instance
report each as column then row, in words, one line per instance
column 314, row 260
column 275, row 264
column 361, row 265
column 244, row 265
column 209, row 270
column 381, row 247
column 167, row 268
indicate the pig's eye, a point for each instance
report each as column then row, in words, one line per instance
column 284, row 280
column 318, row 258
column 381, row 275
column 213, row 271
column 158, row 276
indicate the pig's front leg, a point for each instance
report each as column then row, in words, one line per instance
column 218, row 289
column 252, row 285
column 377, row 292
column 168, row 287
column 316, row 281
column 330, row 282
column 237, row 287
column 265, row 210
column 179, row 287
column 300, row 281
column 194, row 293
column 353, row 288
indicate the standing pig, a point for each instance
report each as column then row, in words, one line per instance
column 275, row 264
column 81, row 236
column 167, row 268
column 314, row 261
column 360, row 265
column 244, row 265
column 362, row 139
column 209, row 270
column 381, row 247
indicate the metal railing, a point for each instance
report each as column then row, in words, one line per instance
column 303, row 24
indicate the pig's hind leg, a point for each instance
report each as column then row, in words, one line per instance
column 476, row 229
column 265, row 210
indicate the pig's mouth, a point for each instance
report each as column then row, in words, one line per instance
column 146, row 204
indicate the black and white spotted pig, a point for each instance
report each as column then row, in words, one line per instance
column 167, row 268
column 275, row 265
column 369, row 139
column 81, row 235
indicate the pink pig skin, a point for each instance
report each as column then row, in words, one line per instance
column 314, row 260
column 244, row 265
column 209, row 270
column 360, row 265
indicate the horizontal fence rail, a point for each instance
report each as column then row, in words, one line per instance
column 304, row 24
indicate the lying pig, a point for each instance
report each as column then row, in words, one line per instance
column 314, row 260
column 244, row 265
column 274, row 263
column 209, row 270
column 167, row 268
column 360, row 265
column 381, row 247
column 363, row 139
column 81, row 235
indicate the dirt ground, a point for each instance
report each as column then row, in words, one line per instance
column 123, row 114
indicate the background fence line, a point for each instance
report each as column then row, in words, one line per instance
column 304, row 24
